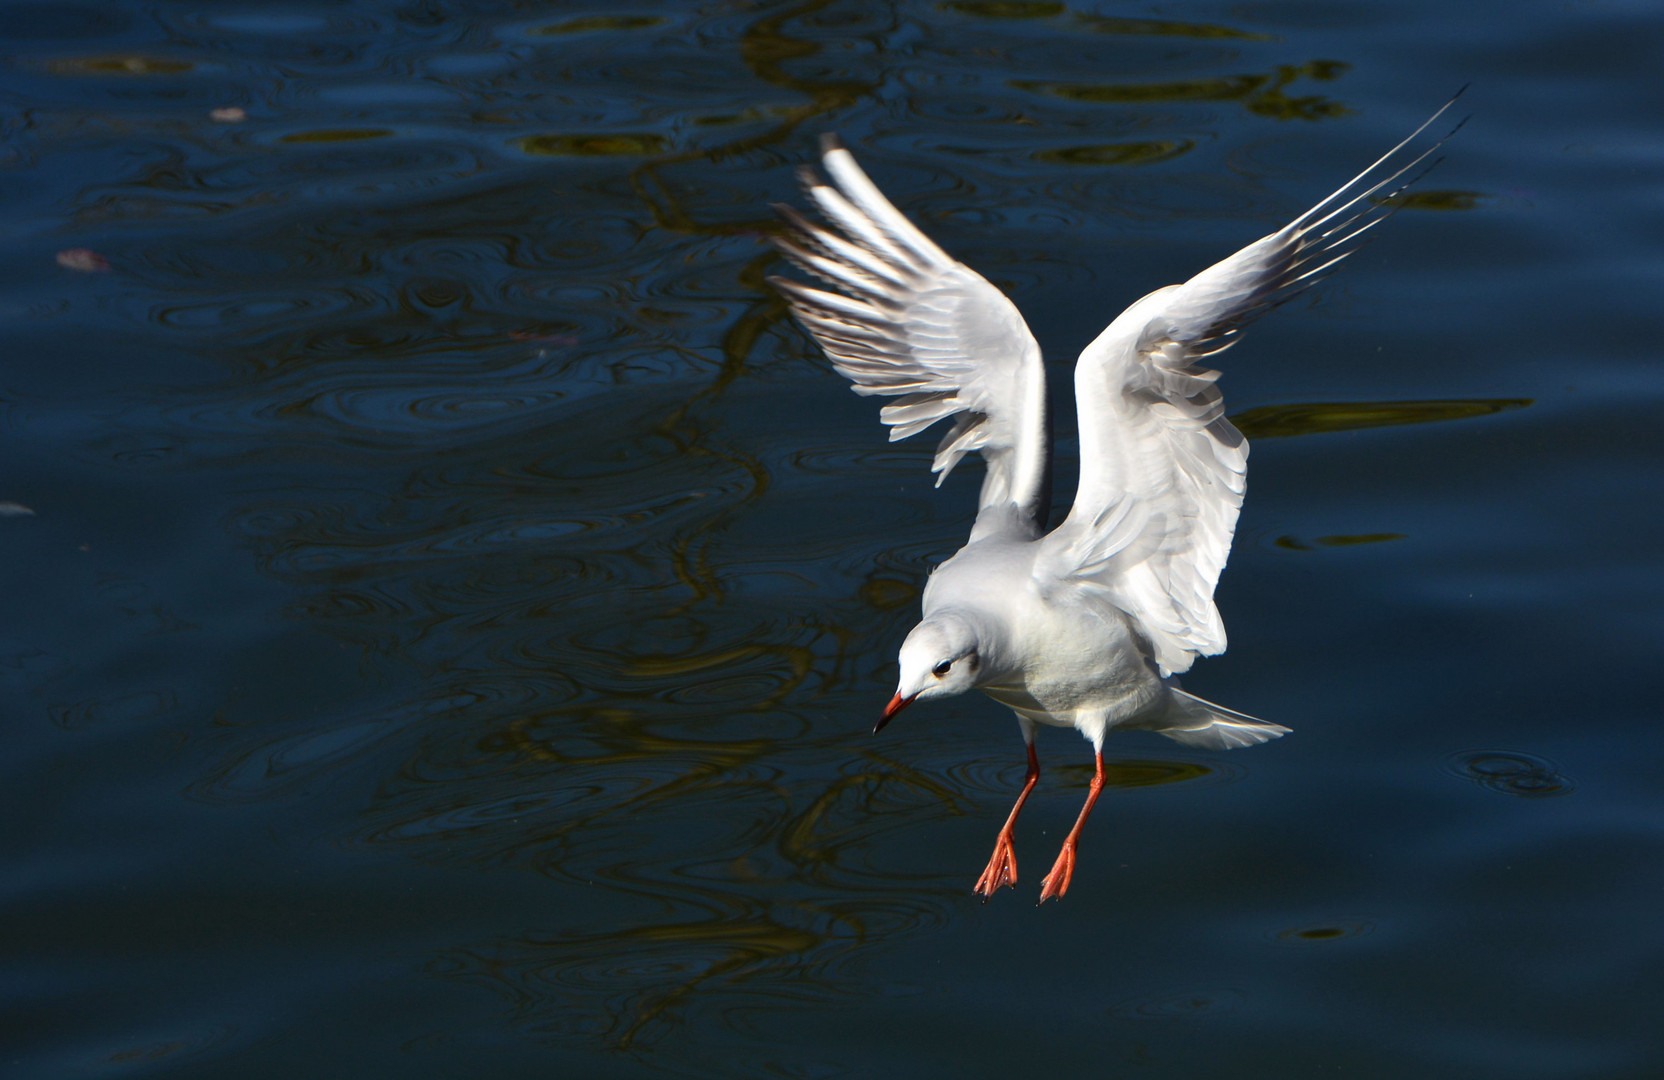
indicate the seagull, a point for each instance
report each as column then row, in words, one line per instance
column 1087, row 625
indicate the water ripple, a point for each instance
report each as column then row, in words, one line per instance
column 1509, row 772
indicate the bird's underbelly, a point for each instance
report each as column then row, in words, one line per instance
column 1077, row 663
column 1063, row 706
column 1060, row 653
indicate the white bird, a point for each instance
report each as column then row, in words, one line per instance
column 1085, row 626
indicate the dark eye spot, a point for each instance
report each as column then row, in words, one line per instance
column 941, row 669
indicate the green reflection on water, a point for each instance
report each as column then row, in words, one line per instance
column 887, row 594
column 1106, row 24
column 800, row 661
column 336, row 135
column 589, row 23
column 1320, row 418
column 1263, row 95
column 629, row 988
column 1336, row 931
column 1098, row 24
column 1134, row 772
column 1127, row 153
column 119, row 65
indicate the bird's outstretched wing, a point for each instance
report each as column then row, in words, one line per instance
column 905, row 320
column 1162, row 471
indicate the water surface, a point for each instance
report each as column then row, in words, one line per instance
column 448, row 599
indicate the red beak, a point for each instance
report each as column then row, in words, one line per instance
column 896, row 704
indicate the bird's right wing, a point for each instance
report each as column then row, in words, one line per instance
column 904, row 319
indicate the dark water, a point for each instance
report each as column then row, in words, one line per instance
column 455, row 600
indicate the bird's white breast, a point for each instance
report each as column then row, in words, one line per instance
column 1055, row 651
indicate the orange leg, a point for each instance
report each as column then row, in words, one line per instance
column 1002, row 868
column 1056, row 883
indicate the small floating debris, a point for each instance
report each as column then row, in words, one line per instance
column 15, row 509
column 228, row 114
column 84, row 260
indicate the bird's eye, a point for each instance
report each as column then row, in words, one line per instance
column 942, row 669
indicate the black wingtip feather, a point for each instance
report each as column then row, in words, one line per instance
column 829, row 142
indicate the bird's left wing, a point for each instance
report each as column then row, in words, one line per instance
column 904, row 319
column 1162, row 472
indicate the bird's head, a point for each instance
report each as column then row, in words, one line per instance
column 940, row 658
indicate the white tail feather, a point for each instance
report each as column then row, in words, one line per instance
column 1195, row 722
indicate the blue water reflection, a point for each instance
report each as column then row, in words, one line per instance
column 454, row 598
